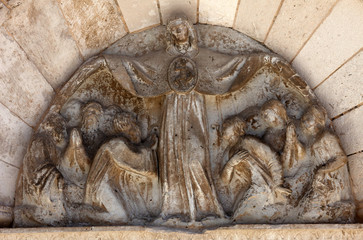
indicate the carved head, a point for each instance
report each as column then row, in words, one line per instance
column 273, row 114
column 181, row 37
column 126, row 124
column 91, row 115
column 180, row 33
column 233, row 128
column 314, row 119
column 55, row 128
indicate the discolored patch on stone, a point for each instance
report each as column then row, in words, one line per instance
column 40, row 29
column 14, row 137
column 94, row 24
column 4, row 13
column 24, row 91
column 139, row 14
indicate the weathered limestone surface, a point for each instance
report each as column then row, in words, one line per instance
column 349, row 128
column 344, row 89
column 255, row 17
column 139, row 14
column 3, row 13
column 355, row 163
column 8, row 177
column 140, row 151
column 40, row 29
column 295, row 23
column 321, row 90
column 6, row 216
column 94, row 24
column 24, row 91
column 335, row 41
column 170, row 8
column 218, row 12
column 13, row 3
column 320, row 231
column 14, row 138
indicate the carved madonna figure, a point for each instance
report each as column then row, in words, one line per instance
column 185, row 126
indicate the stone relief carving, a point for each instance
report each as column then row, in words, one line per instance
column 186, row 126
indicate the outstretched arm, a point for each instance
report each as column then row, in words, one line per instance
column 248, row 67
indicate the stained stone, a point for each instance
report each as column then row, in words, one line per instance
column 193, row 127
column 27, row 85
column 4, row 11
column 58, row 56
column 254, row 18
column 169, row 9
column 218, row 12
column 94, row 24
column 337, row 39
column 349, row 128
column 8, row 174
column 140, row 14
column 344, row 89
column 287, row 39
column 14, row 136
column 245, row 231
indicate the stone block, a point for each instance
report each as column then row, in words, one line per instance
column 6, row 216
column 8, row 177
column 295, row 23
column 338, row 38
column 254, row 17
column 344, row 89
column 40, row 29
column 243, row 231
column 14, row 137
column 139, row 14
column 349, row 128
column 217, row 12
column 95, row 24
column 13, row 3
column 170, row 9
column 4, row 11
column 355, row 163
column 23, row 89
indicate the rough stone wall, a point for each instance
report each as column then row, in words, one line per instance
column 42, row 42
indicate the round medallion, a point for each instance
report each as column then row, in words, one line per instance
column 182, row 74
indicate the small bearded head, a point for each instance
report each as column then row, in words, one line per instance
column 91, row 115
column 126, row 125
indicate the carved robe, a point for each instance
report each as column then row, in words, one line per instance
column 330, row 195
column 123, row 183
column 42, row 187
column 188, row 191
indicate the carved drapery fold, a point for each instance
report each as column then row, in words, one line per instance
column 184, row 127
